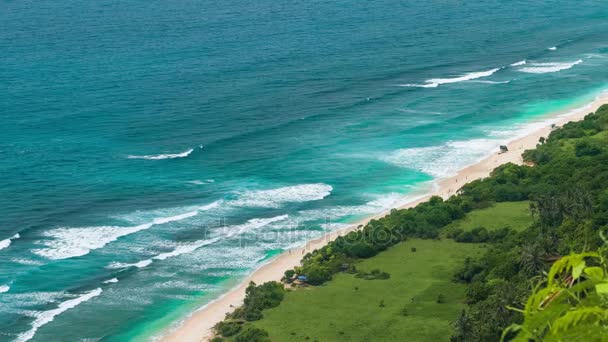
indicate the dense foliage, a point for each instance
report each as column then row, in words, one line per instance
column 570, row 304
column 257, row 298
column 568, row 190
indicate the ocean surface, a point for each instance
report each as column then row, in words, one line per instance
column 153, row 153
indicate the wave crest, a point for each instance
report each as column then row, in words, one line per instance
column 45, row 317
column 229, row 232
column 436, row 82
column 275, row 197
column 543, row 68
column 163, row 156
column 445, row 160
column 7, row 242
column 73, row 242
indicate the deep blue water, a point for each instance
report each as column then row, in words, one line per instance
column 153, row 153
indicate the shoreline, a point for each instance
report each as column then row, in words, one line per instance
column 198, row 325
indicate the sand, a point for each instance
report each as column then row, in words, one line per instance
column 198, row 327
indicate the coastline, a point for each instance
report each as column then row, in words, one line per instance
column 198, row 326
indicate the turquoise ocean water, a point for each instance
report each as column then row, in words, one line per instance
column 154, row 153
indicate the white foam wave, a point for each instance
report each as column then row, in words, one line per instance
column 201, row 182
column 163, row 156
column 226, row 233
column 210, row 206
column 553, row 48
column 436, row 82
column 543, row 68
column 111, row 281
column 26, row 262
column 444, row 160
column 275, row 197
column 252, row 224
column 375, row 206
column 183, row 249
column 73, row 242
column 4, row 288
column 7, row 242
column 45, row 317
column 492, row 82
column 519, row 63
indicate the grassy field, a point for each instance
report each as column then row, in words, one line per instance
column 515, row 215
column 403, row 307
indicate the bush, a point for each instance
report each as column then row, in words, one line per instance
column 317, row 275
column 373, row 275
column 585, row 148
column 252, row 334
column 228, row 329
column 258, row 298
column 288, row 276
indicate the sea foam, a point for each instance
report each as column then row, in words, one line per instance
column 163, row 156
column 227, row 232
column 436, row 82
column 183, row 249
column 519, row 63
column 73, row 242
column 7, row 242
column 274, row 198
column 4, row 288
column 443, row 160
column 543, row 68
column 45, row 317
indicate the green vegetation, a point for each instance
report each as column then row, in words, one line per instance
column 572, row 305
column 512, row 215
column 349, row 308
column 566, row 192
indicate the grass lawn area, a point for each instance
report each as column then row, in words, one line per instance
column 349, row 309
column 515, row 215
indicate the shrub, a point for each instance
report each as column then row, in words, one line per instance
column 252, row 334
column 373, row 275
column 228, row 329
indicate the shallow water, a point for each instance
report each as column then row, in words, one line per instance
column 152, row 154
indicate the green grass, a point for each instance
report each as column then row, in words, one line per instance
column 348, row 308
column 515, row 215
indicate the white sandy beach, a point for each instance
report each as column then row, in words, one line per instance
column 198, row 327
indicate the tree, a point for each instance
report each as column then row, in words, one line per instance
column 532, row 258
column 463, row 328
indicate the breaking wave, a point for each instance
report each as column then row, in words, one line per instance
column 519, row 63
column 7, row 242
column 444, row 160
column 227, row 233
column 45, row 317
column 73, row 242
column 275, row 197
column 163, row 156
column 436, row 82
column 543, row 68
